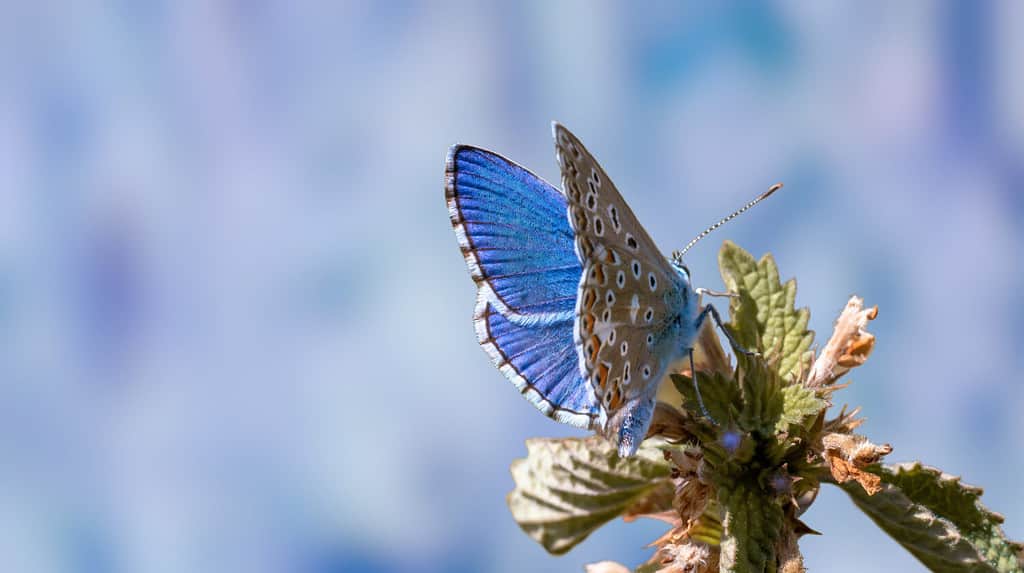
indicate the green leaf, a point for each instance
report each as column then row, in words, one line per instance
column 939, row 519
column 754, row 404
column 763, row 316
column 721, row 395
column 798, row 404
column 708, row 527
column 761, row 389
column 753, row 523
column 567, row 488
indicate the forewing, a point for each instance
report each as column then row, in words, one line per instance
column 513, row 233
column 629, row 295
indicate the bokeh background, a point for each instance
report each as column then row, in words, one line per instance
column 235, row 326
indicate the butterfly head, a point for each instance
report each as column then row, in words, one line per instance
column 681, row 268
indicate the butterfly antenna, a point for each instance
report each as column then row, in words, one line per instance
column 678, row 255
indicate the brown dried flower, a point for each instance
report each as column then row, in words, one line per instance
column 849, row 346
column 848, row 454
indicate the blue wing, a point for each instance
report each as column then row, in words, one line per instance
column 514, row 233
column 540, row 361
column 513, row 229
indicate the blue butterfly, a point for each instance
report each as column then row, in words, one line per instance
column 575, row 304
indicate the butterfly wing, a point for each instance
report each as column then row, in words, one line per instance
column 512, row 229
column 513, row 233
column 632, row 305
column 540, row 361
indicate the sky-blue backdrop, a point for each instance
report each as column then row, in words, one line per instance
column 235, row 326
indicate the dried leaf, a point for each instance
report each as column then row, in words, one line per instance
column 669, row 422
column 844, row 471
column 849, row 346
column 845, row 422
column 686, row 557
column 848, row 454
column 708, row 353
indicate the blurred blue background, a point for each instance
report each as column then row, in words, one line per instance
column 235, row 325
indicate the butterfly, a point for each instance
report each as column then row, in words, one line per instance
column 575, row 305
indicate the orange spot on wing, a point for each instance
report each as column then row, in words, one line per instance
column 588, row 322
column 616, row 400
column 581, row 219
column 602, row 374
column 586, row 246
column 596, row 342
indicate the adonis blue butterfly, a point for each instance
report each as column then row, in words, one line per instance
column 575, row 304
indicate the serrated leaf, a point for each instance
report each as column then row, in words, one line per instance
column 720, row 394
column 567, row 488
column 755, row 403
column 798, row 404
column 761, row 391
column 763, row 316
column 939, row 519
column 752, row 525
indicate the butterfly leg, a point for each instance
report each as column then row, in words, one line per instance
column 696, row 388
column 710, row 310
column 704, row 291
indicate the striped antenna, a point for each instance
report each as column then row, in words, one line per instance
column 677, row 256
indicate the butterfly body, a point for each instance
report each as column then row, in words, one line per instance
column 667, row 339
column 575, row 303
